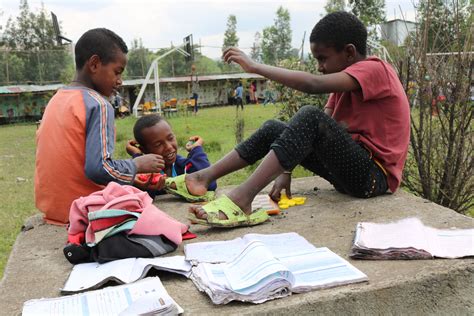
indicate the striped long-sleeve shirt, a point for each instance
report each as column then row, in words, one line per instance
column 75, row 143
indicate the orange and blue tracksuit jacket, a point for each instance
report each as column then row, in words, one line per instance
column 75, row 144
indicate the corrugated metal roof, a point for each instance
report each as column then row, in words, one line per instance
column 133, row 82
column 29, row 88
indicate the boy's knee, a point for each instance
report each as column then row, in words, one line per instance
column 274, row 125
column 310, row 110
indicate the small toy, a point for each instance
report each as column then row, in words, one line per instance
column 190, row 143
column 285, row 202
column 146, row 178
column 263, row 201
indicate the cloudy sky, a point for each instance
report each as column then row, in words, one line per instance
column 160, row 22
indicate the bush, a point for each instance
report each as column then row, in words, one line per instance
column 440, row 163
column 291, row 99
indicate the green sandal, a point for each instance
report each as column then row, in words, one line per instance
column 182, row 191
column 235, row 216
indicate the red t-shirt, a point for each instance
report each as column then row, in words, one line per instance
column 378, row 115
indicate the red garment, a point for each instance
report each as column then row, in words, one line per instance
column 152, row 221
column 378, row 115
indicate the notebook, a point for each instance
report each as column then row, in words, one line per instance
column 262, row 271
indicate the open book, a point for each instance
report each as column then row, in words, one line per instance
column 410, row 239
column 145, row 297
column 224, row 251
column 87, row 276
column 258, row 274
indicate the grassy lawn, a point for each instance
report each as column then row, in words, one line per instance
column 17, row 158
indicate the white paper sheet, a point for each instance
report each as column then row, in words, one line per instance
column 108, row 301
column 321, row 269
column 91, row 275
column 254, row 264
column 280, row 245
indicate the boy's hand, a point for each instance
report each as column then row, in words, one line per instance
column 149, row 163
column 154, row 182
column 282, row 182
column 132, row 148
column 194, row 141
column 239, row 57
column 157, row 185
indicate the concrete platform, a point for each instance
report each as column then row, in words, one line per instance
column 37, row 268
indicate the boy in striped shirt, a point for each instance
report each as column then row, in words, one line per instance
column 76, row 139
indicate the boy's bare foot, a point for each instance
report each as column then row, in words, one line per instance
column 241, row 200
column 196, row 183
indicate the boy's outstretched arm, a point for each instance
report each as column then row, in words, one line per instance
column 299, row 80
column 100, row 142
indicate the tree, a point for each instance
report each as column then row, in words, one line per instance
column 269, row 55
column 370, row 12
column 139, row 60
column 441, row 15
column 230, row 40
column 256, row 50
column 230, row 36
column 276, row 39
column 335, row 5
column 176, row 65
column 30, row 49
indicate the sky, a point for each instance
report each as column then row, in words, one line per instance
column 162, row 22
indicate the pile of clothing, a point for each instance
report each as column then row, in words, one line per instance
column 119, row 222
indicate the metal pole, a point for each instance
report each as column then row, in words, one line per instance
column 39, row 66
column 154, row 68
column 142, row 90
column 73, row 53
column 157, row 88
column 6, row 65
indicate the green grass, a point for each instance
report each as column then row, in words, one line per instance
column 17, row 162
column 17, row 158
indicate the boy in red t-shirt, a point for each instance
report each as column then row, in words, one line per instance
column 359, row 143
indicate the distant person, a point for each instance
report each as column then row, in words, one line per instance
column 231, row 96
column 153, row 135
column 239, row 92
column 195, row 92
column 253, row 92
column 75, row 141
column 116, row 103
column 268, row 94
column 359, row 143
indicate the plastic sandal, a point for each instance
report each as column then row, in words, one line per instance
column 235, row 216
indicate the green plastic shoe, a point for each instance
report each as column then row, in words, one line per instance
column 182, row 190
column 235, row 216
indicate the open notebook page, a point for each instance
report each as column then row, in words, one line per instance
column 406, row 233
column 320, row 269
column 280, row 245
column 253, row 265
column 447, row 243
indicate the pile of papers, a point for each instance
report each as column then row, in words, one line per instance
column 257, row 268
column 410, row 239
column 87, row 276
column 144, row 297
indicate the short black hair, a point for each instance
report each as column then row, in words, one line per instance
column 143, row 122
column 338, row 29
column 101, row 42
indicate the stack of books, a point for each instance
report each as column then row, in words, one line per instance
column 257, row 268
column 409, row 238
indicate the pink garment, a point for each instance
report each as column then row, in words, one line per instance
column 152, row 221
